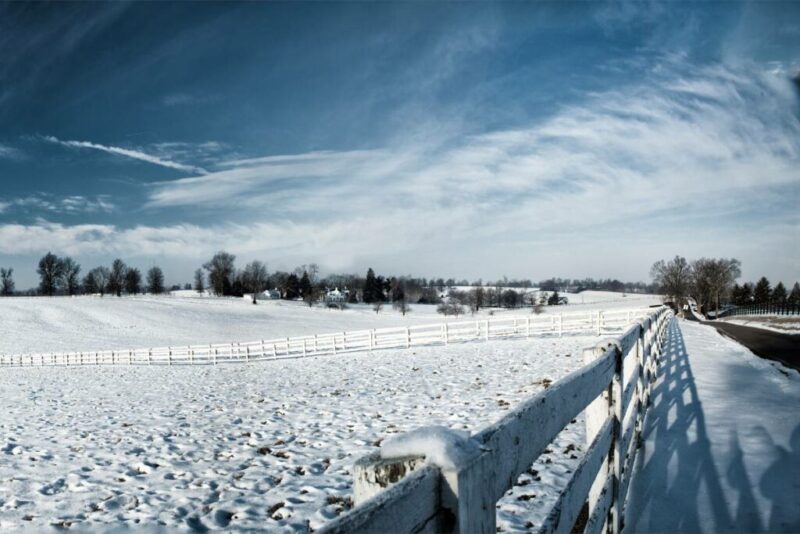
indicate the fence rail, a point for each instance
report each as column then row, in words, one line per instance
column 762, row 309
column 614, row 387
column 598, row 322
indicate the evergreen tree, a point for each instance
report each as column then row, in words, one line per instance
column 199, row 281
column 779, row 295
column 371, row 289
column 762, row 292
column 794, row 296
column 747, row 293
column 291, row 289
column 306, row 290
column 133, row 281
column 155, row 281
column 6, row 282
column 736, row 294
column 50, row 270
column 553, row 300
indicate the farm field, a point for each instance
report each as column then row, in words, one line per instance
column 265, row 445
column 94, row 323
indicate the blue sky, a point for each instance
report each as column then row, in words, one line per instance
column 464, row 139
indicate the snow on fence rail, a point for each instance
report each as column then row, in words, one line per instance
column 411, row 494
column 324, row 344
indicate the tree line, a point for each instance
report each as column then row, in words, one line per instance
column 62, row 276
column 712, row 283
column 762, row 293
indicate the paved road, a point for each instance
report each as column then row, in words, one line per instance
column 784, row 348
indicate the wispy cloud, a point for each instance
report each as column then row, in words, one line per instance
column 678, row 152
column 685, row 151
column 71, row 204
column 185, row 99
column 9, row 152
column 129, row 153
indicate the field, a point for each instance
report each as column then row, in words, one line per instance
column 269, row 444
column 94, row 323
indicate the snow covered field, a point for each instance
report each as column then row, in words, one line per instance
column 267, row 445
column 94, row 323
column 252, row 446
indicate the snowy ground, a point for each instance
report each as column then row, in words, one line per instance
column 722, row 449
column 262, row 446
column 785, row 325
column 94, row 323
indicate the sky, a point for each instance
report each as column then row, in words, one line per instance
column 468, row 139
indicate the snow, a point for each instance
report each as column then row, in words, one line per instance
column 782, row 324
column 722, row 441
column 261, row 446
column 441, row 446
column 90, row 323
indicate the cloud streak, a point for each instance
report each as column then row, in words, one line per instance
column 71, row 204
column 620, row 177
column 128, row 153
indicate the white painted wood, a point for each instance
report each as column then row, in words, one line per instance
column 519, row 438
column 412, row 505
column 563, row 515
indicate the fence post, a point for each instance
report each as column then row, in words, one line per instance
column 640, row 384
column 599, row 321
column 372, row 339
column 487, row 329
column 595, row 417
column 561, row 324
column 527, row 327
column 616, row 443
column 408, row 337
column 169, row 356
column 149, row 356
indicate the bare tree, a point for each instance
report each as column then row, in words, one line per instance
column 221, row 270
column 133, row 281
column 155, row 281
column 50, row 271
column 96, row 280
column 713, row 279
column 6, row 282
column 377, row 306
column 401, row 305
column 199, row 281
column 116, row 278
column 70, row 270
column 255, row 278
column 674, row 278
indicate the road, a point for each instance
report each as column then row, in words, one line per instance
column 784, row 348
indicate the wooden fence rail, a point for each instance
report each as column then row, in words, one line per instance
column 596, row 322
column 613, row 387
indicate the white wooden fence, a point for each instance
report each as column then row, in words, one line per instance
column 597, row 322
column 410, row 495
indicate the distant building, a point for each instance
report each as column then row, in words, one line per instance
column 336, row 296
